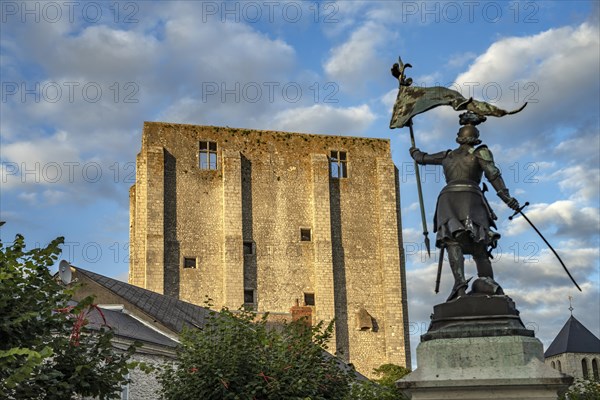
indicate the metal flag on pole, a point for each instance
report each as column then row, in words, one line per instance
column 398, row 72
column 414, row 100
column 420, row 192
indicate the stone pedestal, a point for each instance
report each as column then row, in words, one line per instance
column 485, row 353
column 476, row 316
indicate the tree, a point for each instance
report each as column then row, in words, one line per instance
column 46, row 351
column 389, row 374
column 236, row 357
column 369, row 390
column 384, row 388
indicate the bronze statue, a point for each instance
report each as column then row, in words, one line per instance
column 463, row 218
column 412, row 101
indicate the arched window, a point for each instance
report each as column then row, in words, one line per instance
column 553, row 365
column 595, row 369
column 584, row 368
column 559, row 367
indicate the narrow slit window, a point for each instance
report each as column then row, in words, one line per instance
column 338, row 163
column 309, row 299
column 305, row 235
column 189, row 262
column 248, row 248
column 249, row 296
column 208, row 155
column 584, row 368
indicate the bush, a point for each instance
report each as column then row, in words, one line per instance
column 235, row 356
column 46, row 352
column 583, row 389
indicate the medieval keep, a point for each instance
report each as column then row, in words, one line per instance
column 272, row 220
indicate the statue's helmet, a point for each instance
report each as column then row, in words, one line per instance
column 468, row 134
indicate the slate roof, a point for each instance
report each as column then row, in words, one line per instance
column 169, row 311
column 573, row 338
column 125, row 325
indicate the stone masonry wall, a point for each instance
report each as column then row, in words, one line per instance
column 145, row 386
column 571, row 364
column 269, row 185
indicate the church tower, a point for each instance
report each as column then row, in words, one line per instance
column 575, row 351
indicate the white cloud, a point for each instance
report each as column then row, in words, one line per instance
column 541, row 67
column 429, row 80
column 185, row 110
column 459, row 60
column 582, row 146
column 565, row 216
column 52, row 196
column 581, row 181
column 529, row 263
column 188, row 54
column 538, row 69
column 167, row 76
column 389, row 99
column 412, row 207
column 353, row 62
column 237, row 56
column 346, row 15
column 28, row 197
column 51, row 170
column 100, row 52
column 35, row 162
column 325, row 119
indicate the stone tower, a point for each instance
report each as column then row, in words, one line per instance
column 267, row 219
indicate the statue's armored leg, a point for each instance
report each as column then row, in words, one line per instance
column 457, row 265
column 482, row 260
column 485, row 283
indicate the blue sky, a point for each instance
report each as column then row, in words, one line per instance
column 79, row 80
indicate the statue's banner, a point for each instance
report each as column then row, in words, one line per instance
column 412, row 101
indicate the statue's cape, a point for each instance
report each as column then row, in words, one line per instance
column 412, row 101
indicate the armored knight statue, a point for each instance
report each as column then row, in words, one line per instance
column 463, row 218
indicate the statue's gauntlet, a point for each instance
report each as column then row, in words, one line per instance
column 508, row 199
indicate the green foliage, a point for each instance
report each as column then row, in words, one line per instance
column 389, row 374
column 236, row 356
column 368, row 390
column 384, row 388
column 44, row 353
column 583, row 389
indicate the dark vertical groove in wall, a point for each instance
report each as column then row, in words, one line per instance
column 171, row 253
column 339, row 272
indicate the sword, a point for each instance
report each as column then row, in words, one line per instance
column 520, row 211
